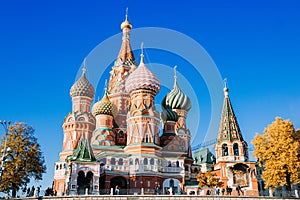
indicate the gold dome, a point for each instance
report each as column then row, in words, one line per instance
column 104, row 107
column 126, row 23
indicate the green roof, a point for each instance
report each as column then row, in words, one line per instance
column 83, row 153
column 229, row 128
column 204, row 156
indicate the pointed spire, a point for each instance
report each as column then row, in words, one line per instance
column 126, row 55
column 229, row 128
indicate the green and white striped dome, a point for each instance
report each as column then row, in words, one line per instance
column 168, row 114
column 176, row 99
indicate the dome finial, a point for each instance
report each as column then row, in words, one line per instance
column 175, row 75
column 142, row 52
column 225, row 87
column 126, row 23
column 126, row 15
column 84, row 66
column 105, row 86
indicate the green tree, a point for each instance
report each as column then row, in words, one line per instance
column 278, row 151
column 209, row 180
column 24, row 160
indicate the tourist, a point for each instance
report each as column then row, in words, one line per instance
column 223, row 191
column 117, row 190
column 238, row 189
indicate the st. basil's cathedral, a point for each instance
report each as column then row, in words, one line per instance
column 117, row 144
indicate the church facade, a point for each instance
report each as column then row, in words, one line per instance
column 115, row 145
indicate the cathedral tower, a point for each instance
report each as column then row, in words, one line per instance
column 104, row 111
column 180, row 103
column 124, row 65
column 232, row 164
column 143, row 118
column 230, row 145
column 80, row 123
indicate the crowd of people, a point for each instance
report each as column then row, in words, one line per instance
column 224, row 191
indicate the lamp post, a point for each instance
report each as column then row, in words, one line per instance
column 5, row 150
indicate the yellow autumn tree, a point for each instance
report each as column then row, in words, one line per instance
column 209, row 180
column 278, row 151
column 23, row 160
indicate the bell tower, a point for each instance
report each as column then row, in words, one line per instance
column 230, row 145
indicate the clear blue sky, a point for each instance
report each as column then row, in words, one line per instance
column 255, row 44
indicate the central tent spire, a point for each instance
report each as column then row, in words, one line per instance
column 126, row 55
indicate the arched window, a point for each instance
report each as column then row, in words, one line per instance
column 171, row 183
column 130, row 161
column 177, row 163
column 224, row 150
column 80, row 182
column 169, row 164
column 245, row 150
column 196, row 171
column 136, row 161
column 236, row 149
column 121, row 135
column 152, row 161
column 145, row 161
column 186, row 168
column 121, row 161
column 60, row 166
column 147, row 139
column 103, row 161
column 112, row 161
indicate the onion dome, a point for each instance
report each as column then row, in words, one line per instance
column 142, row 78
column 126, row 23
column 82, row 87
column 176, row 99
column 104, row 107
column 169, row 115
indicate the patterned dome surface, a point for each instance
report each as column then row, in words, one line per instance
column 104, row 107
column 142, row 78
column 82, row 87
column 169, row 115
column 176, row 99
